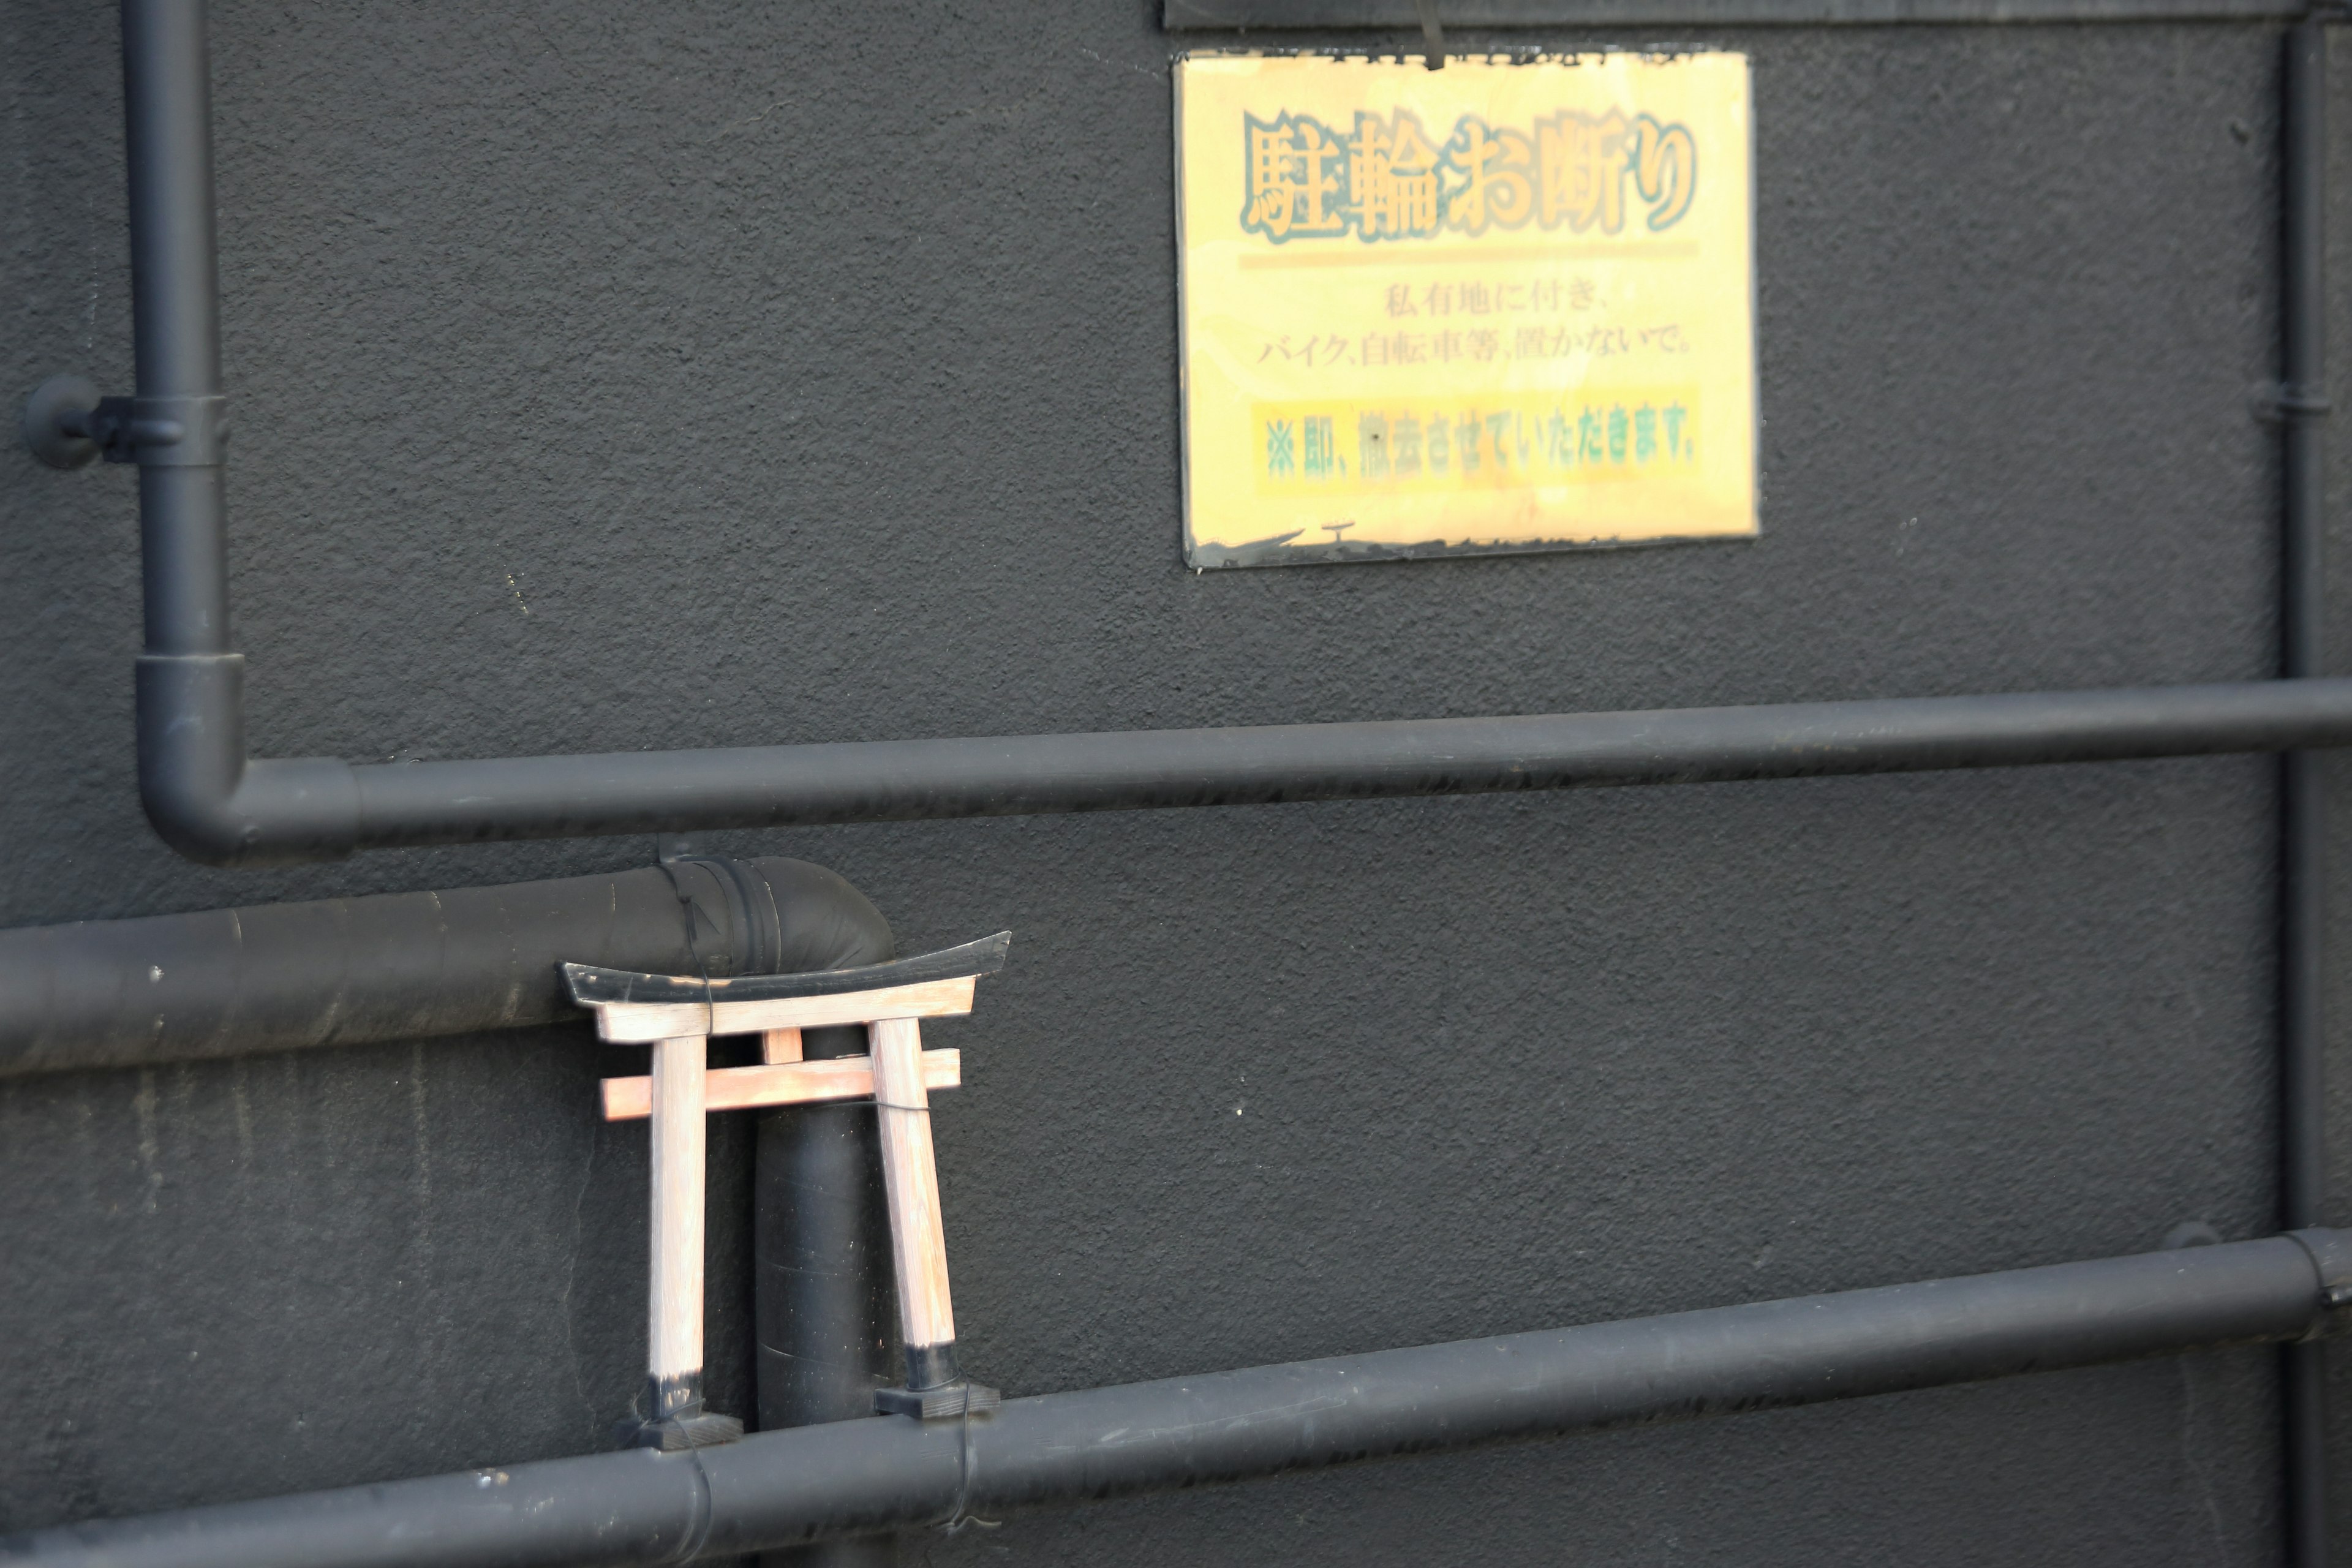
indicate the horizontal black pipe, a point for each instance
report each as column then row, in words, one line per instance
column 211, row 804
column 403, row 966
column 849, row 1478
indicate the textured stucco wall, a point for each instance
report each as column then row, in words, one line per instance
column 611, row 376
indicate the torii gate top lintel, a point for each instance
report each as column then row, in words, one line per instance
column 597, row 987
column 637, row 1009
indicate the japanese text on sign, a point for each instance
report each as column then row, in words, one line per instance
column 1502, row 306
column 1386, row 180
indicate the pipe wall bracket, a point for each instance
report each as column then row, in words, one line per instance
column 67, row 426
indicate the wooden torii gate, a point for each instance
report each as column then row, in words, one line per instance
column 677, row 1016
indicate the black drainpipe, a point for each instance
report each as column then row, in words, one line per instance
column 400, row 967
column 210, row 801
column 826, row 1483
column 2301, row 400
column 823, row 1302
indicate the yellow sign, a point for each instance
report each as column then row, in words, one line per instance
column 1507, row 305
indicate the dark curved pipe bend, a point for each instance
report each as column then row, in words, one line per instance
column 211, row 802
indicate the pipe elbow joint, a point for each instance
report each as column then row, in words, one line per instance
column 205, row 800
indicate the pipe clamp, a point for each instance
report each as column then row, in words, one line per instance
column 2278, row 402
column 171, row 432
column 2331, row 1255
column 66, row 425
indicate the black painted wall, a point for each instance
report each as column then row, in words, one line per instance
column 609, row 375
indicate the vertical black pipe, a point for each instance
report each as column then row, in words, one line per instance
column 167, row 105
column 828, row 1329
column 2302, row 829
column 168, row 125
column 824, row 1292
